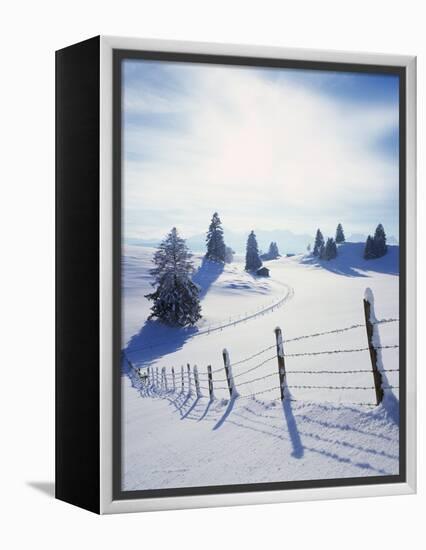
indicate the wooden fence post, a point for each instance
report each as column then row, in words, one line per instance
column 173, row 379
column 197, row 381
column 149, row 376
column 228, row 371
column 281, row 362
column 165, row 379
column 157, row 378
column 210, row 376
column 182, row 379
column 189, row 379
column 369, row 319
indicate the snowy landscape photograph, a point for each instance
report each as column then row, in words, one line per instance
column 260, row 276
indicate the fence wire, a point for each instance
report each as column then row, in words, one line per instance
column 334, row 351
column 312, row 335
column 169, row 382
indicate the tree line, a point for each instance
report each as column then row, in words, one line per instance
column 375, row 246
column 176, row 299
column 327, row 250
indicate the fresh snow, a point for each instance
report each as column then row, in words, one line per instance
column 172, row 439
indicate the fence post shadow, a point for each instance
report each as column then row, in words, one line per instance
column 191, row 408
column 210, row 401
column 225, row 415
column 296, row 442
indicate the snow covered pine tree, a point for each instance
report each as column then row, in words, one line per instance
column 376, row 247
column 379, row 242
column 273, row 251
column 319, row 243
column 253, row 261
column 272, row 254
column 216, row 250
column 176, row 298
column 330, row 251
column 368, row 250
column 340, row 236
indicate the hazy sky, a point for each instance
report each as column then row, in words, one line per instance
column 266, row 148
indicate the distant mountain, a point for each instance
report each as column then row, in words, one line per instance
column 287, row 241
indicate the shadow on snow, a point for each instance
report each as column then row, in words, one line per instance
column 293, row 432
column 156, row 339
column 206, row 275
column 194, row 408
column 350, row 261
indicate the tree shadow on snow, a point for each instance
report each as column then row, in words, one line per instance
column 350, row 261
column 156, row 339
column 206, row 275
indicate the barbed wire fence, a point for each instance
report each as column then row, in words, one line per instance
column 152, row 382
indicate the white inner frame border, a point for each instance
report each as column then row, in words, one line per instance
column 107, row 504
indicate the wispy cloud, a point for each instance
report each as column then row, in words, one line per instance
column 265, row 152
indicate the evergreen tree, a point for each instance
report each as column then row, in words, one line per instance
column 369, row 248
column 376, row 247
column 318, row 244
column 379, row 242
column 340, row 236
column 330, row 249
column 321, row 251
column 216, row 250
column 308, row 248
column 273, row 252
column 253, row 261
column 176, row 298
column 276, row 251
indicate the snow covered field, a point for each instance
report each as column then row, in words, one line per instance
column 172, row 439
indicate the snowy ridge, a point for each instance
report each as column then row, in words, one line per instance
column 328, row 425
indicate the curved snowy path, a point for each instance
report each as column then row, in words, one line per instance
column 230, row 296
column 233, row 321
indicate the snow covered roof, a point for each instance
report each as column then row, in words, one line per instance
column 264, row 271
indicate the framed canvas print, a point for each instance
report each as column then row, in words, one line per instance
column 235, row 274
